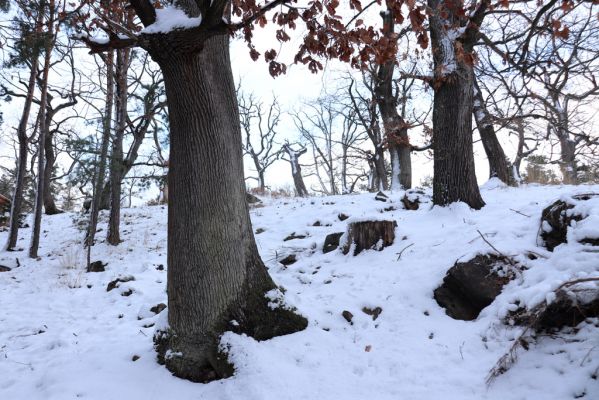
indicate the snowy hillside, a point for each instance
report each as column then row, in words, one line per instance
column 64, row 336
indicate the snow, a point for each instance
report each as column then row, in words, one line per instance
column 64, row 336
column 170, row 18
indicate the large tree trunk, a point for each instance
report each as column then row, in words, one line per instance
column 215, row 274
column 49, row 203
column 41, row 157
column 17, row 199
column 567, row 163
column 101, row 167
column 498, row 165
column 395, row 127
column 454, row 175
column 116, row 160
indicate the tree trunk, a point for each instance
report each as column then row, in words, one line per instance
column 454, row 175
column 116, row 160
column 49, row 203
column 395, row 127
column 41, row 158
column 296, row 170
column 101, row 168
column 567, row 163
column 381, row 171
column 498, row 165
column 17, row 200
column 215, row 274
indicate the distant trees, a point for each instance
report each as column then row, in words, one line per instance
column 259, row 123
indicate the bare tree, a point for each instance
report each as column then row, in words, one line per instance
column 296, row 169
column 259, row 124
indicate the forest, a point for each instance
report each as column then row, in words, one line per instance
column 293, row 199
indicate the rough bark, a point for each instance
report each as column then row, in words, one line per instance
column 215, row 274
column 41, row 157
column 568, row 165
column 394, row 125
column 101, row 168
column 17, row 200
column 499, row 166
column 116, row 159
column 49, row 203
column 454, row 175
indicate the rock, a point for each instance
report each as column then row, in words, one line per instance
column 294, row 236
column 96, row 266
column 555, row 220
column 290, row 259
column 251, row 199
column 410, row 203
column 160, row 267
column 380, row 196
column 135, row 358
column 116, row 283
column 4, row 268
column 158, row 308
column 373, row 312
column 260, row 230
column 342, row 217
column 367, row 235
column 331, row 242
column 127, row 292
column 470, row 286
column 348, row 316
column 569, row 308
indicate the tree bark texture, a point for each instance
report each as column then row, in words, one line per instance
column 499, row 167
column 17, row 200
column 215, row 274
column 101, row 168
column 116, row 159
column 394, row 125
column 454, row 175
column 49, row 204
column 41, row 157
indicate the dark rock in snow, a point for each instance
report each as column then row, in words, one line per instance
column 556, row 219
column 4, row 268
column 158, row 308
column 96, row 266
column 348, row 316
column 380, row 196
column 290, row 259
column 410, row 203
column 373, row 312
column 251, row 199
column 367, row 235
column 470, row 286
column 569, row 308
column 342, row 217
column 116, row 283
column 294, row 236
column 331, row 242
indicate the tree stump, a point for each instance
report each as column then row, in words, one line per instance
column 368, row 235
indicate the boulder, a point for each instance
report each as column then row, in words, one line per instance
column 96, row 266
column 570, row 307
column 557, row 217
column 251, row 199
column 158, row 308
column 117, row 282
column 342, row 217
column 367, row 235
column 331, row 242
column 380, row 196
column 288, row 260
column 470, row 286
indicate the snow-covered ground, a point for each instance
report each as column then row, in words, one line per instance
column 63, row 336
